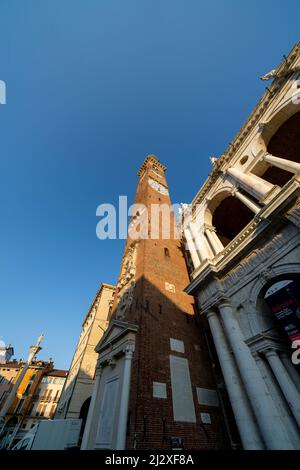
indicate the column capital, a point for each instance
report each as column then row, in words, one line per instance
column 267, row 154
column 211, row 313
column 224, row 302
column 283, row 163
column 99, row 366
column 256, row 355
column 128, row 350
column 211, row 234
column 270, row 352
column 211, row 228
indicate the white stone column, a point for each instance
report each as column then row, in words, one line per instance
column 286, row 384
column 208, row 248
column 124, row 401
column 244, row 417
column 245, row 200
column 192, row 248
column 200, row 242
column 214, row 240
column 283, row 409
column 286, row 359
column 91, row 413
column 284, row 164
column 255, row 185
column 263, row 406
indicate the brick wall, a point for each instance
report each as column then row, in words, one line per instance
column 163, row 311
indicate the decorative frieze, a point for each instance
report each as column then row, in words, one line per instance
column 294, row 214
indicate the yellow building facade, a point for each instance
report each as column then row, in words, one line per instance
column 32, row 398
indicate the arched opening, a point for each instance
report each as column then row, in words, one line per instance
column 229, row 218
column 278, row 307
column 83, row 415
column 167, row 252
column 285, row 143
column 282, row 298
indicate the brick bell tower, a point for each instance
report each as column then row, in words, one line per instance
column 155, row 386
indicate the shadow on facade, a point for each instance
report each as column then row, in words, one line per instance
column 151, row 423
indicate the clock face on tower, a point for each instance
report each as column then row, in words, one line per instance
column 158, row 187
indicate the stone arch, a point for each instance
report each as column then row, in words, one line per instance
column 279, row 137
column 214, row 202
column 281, row 114
column 262, row 319
column 221, row 213
column 85, row 408
column 83, row 415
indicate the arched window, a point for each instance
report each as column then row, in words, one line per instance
column 229, row 218
column 285, row 143
column 283, row 299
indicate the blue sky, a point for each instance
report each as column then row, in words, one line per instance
column 93, row 86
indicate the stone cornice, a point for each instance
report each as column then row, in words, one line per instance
column 97, row 296
column 126, row 332
column 253, row 119
column 265, row 341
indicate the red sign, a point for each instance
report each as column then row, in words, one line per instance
column 285, row 305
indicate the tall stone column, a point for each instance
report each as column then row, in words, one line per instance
column 245, row 200
column 255, row 185
column 286, row 359
column 263, row 406
column 249, row 432
column 214, row 240
column 283, row 409
column 92, row 407
column 192, row 248
column 286, row 384
column 200, row 242
column 284, row 164
column 124, row 401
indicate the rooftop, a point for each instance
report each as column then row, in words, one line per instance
column 57, row 373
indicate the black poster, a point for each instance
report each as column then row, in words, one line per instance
column 285, row 305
